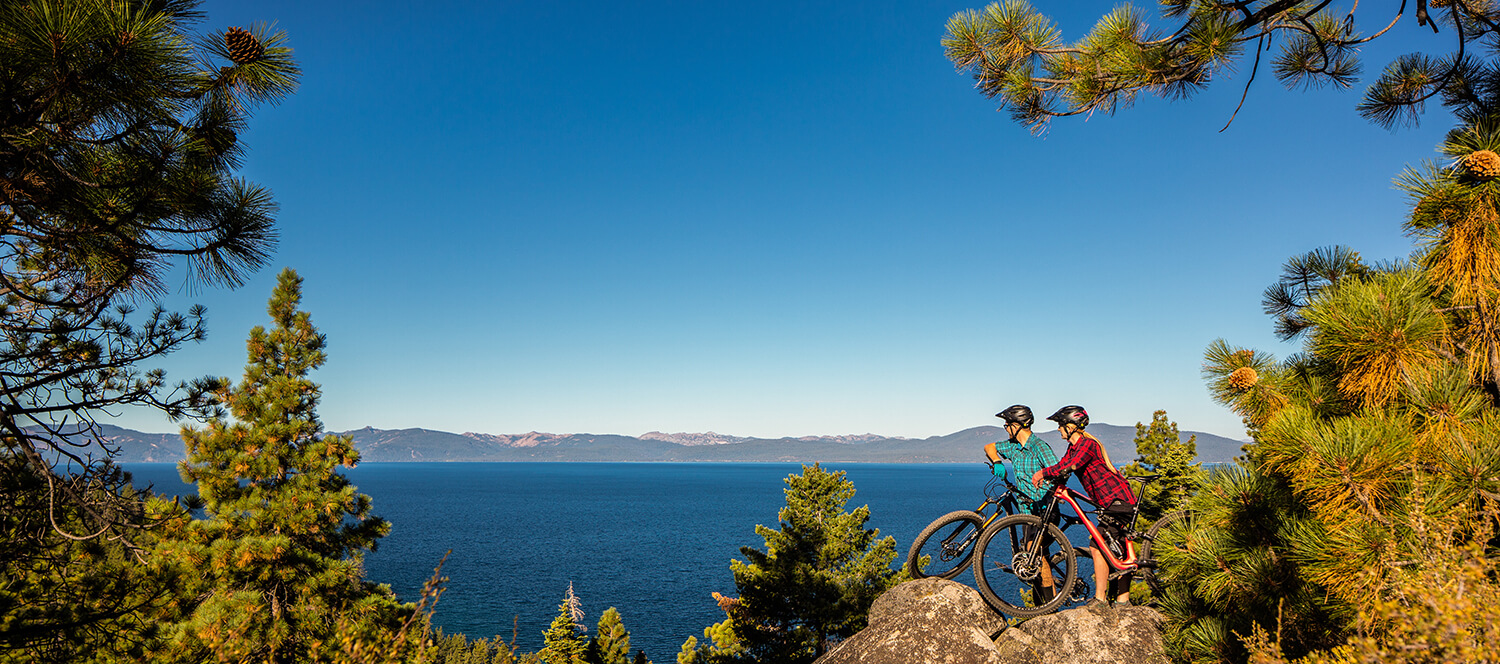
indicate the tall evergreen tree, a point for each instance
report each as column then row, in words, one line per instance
column 1159, row 449
column 564, row 641
column 118, row 151
column 278, row 560
column 814, row 582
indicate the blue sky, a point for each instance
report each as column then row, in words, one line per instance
column 785, row 219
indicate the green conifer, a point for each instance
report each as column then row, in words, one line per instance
column 612, row 639
column 118, row 164
column 814, row 582
column 563, row 641
column 1160, row 450
column 277, row 561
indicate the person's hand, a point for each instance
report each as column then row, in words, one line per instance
column 1037, row 479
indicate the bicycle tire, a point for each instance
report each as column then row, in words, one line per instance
column 955, row 547
column 996, row 554
column 1168, row 535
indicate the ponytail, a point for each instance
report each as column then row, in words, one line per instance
column 1103, row 453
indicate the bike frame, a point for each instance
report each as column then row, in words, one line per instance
column 1064, row 494
column 1005, row 504
column 1061, row 493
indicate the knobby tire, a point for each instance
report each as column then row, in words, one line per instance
column 953, row 528
column 993, row 566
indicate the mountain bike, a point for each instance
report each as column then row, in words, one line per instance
column 948, row 542
column 1015, row 548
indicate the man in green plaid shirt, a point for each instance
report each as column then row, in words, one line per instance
column 1029, row 454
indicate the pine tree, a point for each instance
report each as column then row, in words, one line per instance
column 1376, row 462
column 816, row 579
column 1018, row 56
column 1159, row 450
column 564, row 642
column 278, row 558
column 118, row 154
column 613, row 642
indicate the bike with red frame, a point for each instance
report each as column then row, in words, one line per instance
column 1011, row 552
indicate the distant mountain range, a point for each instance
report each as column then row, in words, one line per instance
column 429, row 445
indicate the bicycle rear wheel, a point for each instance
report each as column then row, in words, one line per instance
column 948, row 543
column 1165, row 539
column 1007, row 564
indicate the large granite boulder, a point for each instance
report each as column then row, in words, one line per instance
column 927, row 620
column 1090, row 635
column 932, row 620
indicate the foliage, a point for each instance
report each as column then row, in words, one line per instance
column 564, row 638
column 1018, row 55
column 99, row 587
column 1447, row 610
column 1366, row 505
column 1159, row 450
column 117, row 156
column 721, row 643
column 611, row 640
column 811, row 586
column 278, row 559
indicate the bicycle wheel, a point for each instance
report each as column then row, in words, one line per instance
column 1006, row 564
column 948, row 543
column 1167, row 537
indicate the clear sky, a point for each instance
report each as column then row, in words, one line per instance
column 769, row 219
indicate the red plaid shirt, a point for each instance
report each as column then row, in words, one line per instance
column 1102, row 482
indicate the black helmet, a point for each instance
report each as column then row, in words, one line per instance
column 1018, row 414
column 1071, row 415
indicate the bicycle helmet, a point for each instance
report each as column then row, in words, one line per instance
column 1071, row 415
column 1019, row 414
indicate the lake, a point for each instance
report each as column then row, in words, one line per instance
column 651, row 539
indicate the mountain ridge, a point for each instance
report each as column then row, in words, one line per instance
column 421, row 444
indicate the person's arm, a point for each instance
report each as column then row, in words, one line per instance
column 992, row 453
column 1078, row 456
column 1008, row 449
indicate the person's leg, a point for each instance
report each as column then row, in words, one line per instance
column 1048, row 588
column 1121, row 588
column 1101, row 574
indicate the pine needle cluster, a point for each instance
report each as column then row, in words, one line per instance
column 1018, row 56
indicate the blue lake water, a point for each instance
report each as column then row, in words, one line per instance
column 651, row 539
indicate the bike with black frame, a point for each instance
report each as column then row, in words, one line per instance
column 949, row 541
column 1015, row 548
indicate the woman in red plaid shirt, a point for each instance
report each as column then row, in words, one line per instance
column 1105, row 485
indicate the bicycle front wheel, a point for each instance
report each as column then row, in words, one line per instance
column 1167, row 538
column 1015, row 555
column 947, row 544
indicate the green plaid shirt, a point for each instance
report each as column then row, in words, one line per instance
column 1028, row 458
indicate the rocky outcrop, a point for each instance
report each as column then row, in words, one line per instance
column 942, row 622
column 1092, row 635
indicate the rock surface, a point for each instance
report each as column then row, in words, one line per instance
column 942, row 622
column 927, row 620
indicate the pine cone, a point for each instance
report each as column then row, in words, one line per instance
column 1439, row 3
column 1244, row 355
column 244, row 48
column 1482, row 164
column 1243, row 378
